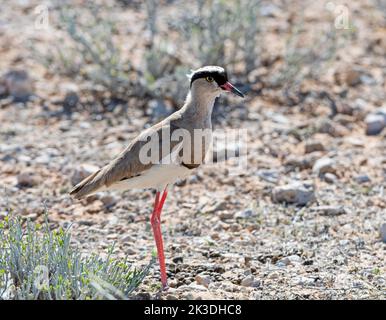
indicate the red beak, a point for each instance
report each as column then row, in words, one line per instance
column 227, row 86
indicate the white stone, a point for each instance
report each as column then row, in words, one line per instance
column 299, row 193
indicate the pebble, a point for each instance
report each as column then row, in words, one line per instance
column 203, row 279
column 324, row 165
column 211, row 208
column 362, row 178
column 245, row 214
column 128, row 239
column 130, row 251
column 383, row 232
column 250, row 281
column 192, row 286
column 304, row 281
column 329, row 210
column 95, row 207
column 299, row 193
column 347, row 76
column 225, row 215
column 330, row 177
column 312, row 146
column 178, row 259
column 108, row 200
column 70, row 101
column 82, row 171
column 290, row 260
column 374, row 124
column 26, row 179
column 18, row 84
column 43, row 159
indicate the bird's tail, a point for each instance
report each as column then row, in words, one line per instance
column 87, row 186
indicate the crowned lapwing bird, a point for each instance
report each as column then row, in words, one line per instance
column 166, row 152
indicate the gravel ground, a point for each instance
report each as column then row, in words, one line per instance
column 305, row 220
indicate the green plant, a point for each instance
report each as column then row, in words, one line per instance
column 39, row 263
column 301, row 62
column 222, row 32
column 87, row 51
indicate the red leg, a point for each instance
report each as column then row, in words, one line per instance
column 156, row 225
column 161, row 202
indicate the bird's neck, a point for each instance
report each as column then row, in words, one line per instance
column 199, row 107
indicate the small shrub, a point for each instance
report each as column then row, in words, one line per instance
column 211, row 32
column 222, row 33
column 304, row 62
column 39, row 263
column 86, row 51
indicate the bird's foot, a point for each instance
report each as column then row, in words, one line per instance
column 165, row 287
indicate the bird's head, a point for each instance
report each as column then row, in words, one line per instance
column 212, row 80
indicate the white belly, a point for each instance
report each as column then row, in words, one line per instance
column 158, row 176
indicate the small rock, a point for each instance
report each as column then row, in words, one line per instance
column 290, row 260
column 188, row 296
column 353, row 77
column 250, row 281
column 171, row 297
column 271, row 176
column 247, row 260
column 312, row 146
column 18, row 84
column 304, row 281
column 324, row 165
column 202, row 279
column 381, row 111
column 203, row 296
column 211, row 208
column 70, row 102
column 362, row 178
column 31, row 216
column 344, row 242
column 43, row 159
column 299, row 193
column 192, row 286
column 218, row 269
column 269, row 10
column 329, row 210
column 225, row 215
column 82, row 172
column 219, row 226
column 108, row 200
column 127, row 239
column 383, row 232
column 3, row 89
column 374, row 124
column 245, row 214
column 215, row 236
column 130, row 251
column 330, row 177
column 273, row 275
column 95, row 207
column 26, row 179
column 294, row 161
column 178, row 259
column 332, row 128
column 348, row 76
column 305, row 162
column 86, row 223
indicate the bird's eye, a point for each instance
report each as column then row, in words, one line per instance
column 209, row 79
